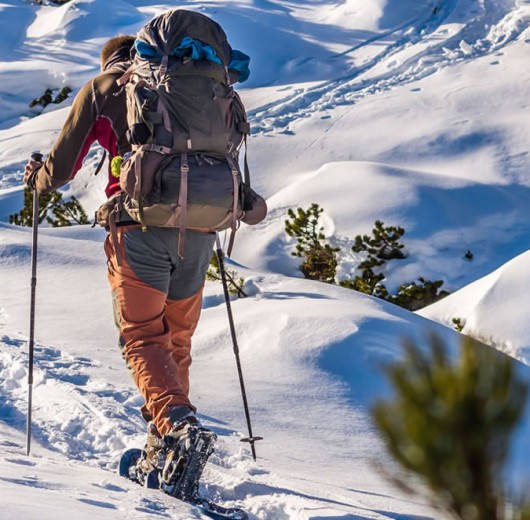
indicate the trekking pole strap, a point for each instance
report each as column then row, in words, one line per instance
column 101, row 162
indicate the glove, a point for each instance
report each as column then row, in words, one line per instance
column 30, row 173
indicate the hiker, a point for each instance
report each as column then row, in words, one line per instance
column 157, row 297
column 159, row 245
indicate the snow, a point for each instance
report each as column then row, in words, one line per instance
column 414, row 113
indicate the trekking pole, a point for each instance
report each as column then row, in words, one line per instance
column 220, row 259
column 35, row 223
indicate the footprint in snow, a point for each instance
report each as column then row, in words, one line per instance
column 110, row 487
column 21, row 462
column 97, row 503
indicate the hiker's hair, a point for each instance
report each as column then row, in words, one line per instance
column 112, row 45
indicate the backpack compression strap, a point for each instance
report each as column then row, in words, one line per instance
column 235, row 176
column 183, row 203
column 113, row 215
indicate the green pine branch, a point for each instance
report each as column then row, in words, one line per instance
column 450, row 424
column 234, row 281
column 319, row 258
column 52, row 208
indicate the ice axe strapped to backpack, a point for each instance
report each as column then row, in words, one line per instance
column 186, row 127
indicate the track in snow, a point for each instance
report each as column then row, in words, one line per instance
column 455, row 31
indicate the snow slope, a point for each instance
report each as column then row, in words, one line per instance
column 486, row 306
column 412, row 113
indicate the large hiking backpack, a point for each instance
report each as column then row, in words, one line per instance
column 186, row 127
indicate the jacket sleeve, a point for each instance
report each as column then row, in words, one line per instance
column 78, row 133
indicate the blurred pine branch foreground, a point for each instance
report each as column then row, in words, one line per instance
column 450, row 425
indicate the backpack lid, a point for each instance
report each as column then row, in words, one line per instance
column 193, row 49
column 166, row 32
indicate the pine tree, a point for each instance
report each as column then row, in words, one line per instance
column 25, row 216
column 320, row 259
column 368, row 283
column 48, row 98
column 321, row 262
column 383, row 244
column 450, row 424
column 413, row 296
column 234, row 281
column 64, row 213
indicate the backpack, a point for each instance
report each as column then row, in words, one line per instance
column 186, row 127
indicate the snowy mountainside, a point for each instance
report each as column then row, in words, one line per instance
column 415, row 113
column 323, row 348
column 443, row 216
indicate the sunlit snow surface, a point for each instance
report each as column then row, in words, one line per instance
column 413, row 113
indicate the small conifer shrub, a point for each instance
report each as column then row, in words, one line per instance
column 458, row 324
column 52, row 208
column 234, row 281
column 450, row 424
column 48, row 98
column 414, row 296
column 320, row 259
column 383, row 243
column 368, row 283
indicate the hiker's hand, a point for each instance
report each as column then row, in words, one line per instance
column 30, row 173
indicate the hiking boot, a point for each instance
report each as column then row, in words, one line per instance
column 153, row 449
column 183, row 425
column 156, row 447
column 187, row 448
